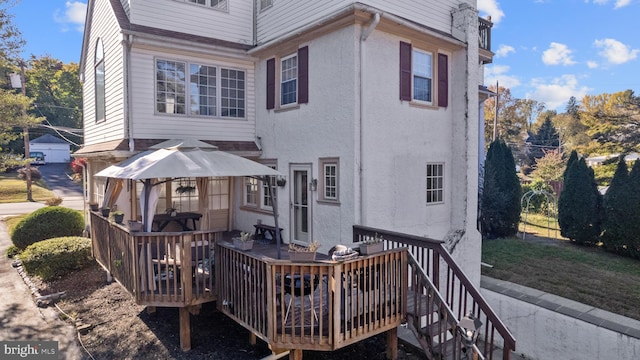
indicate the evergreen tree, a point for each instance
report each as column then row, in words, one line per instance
column 500, row 212
column 633, row 195
column 580, row 205
column 616, row 208
column 572, row 158
column 543, row 141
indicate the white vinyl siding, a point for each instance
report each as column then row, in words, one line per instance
column 152, row 125
column 235, row 24
column 286, row 16
column 105, row 27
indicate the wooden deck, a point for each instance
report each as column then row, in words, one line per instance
column 322, row 305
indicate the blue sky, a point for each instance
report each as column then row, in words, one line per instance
column 550, row 50
column 546, row 50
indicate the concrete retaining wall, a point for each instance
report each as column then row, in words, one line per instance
column 550, row 327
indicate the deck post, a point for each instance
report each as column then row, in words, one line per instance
column 295, row 354
column 185, row 329
column 392, row 344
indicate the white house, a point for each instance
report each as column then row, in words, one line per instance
column 55, row 150
column 371, row 108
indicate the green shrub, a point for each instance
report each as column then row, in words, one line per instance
column 53, row 258
column 46, row 223
column 12, row 251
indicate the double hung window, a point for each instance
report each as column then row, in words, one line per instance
column 289, row 80
column 424, row 76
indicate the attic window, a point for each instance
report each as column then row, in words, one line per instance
column 216, row 4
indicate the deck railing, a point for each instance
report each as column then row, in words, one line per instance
column 159, row 269
column 459, row 294
column 312, row 306
column 484, row 34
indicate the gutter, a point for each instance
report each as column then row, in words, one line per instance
column 126, row 47
column 359, row 148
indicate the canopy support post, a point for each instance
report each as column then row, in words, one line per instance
column 274, row 206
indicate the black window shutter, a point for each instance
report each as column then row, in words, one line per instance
column 443, row 80
column 405, row 71
column 271, row 84
column 303, row 75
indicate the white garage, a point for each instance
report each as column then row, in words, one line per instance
column 55, row 149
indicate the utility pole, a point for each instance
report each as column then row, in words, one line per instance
column 25, row 130
column 495, row 118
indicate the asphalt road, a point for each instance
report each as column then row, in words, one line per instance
column 57, row 179
column 20, row 318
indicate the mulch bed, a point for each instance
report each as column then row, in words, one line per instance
column 115, row 327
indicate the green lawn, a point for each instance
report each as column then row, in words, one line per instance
column 541, row 225
column 588, row 275
column 13, row 189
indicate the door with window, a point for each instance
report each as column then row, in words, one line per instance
column 300, row 204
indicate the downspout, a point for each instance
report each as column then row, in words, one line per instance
column 360, row 146
column 126, row 42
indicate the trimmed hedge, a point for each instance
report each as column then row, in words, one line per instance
column 46, row 223
column 53, row 258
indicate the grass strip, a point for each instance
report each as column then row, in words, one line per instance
column 588, row 275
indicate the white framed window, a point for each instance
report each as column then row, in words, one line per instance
column 250, row 190
column 435, row 183
column 100, row 94
column 170, row 87
column 266, row 204
column 256, row 192
column 233, row 93
column 202, row 83
column 265, row 4
column 422, row 75
column 329, row 172
column 215, row 4
column 211, row 91
column 289, row 80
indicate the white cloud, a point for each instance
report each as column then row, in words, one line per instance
column 72, row 16
column 504, row 50
column 491, row 8
column 592, row 64
column 556, row 93
column 621, row 4
column 617, row 4
column 616, row 52
column 499, row 73
column 557, row 54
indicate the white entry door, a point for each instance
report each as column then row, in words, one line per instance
column 301, row 204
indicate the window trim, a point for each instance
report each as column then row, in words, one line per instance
column 187, row 90
column 322, row 186
column 267, row 6
column 224, row 8
column 99, row 64
column 435, row 190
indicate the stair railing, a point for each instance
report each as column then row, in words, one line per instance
column 450, row 282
